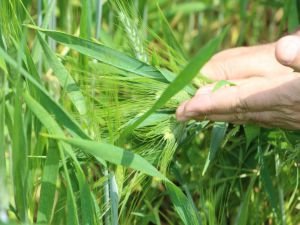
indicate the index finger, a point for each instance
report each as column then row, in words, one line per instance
column 255, row 95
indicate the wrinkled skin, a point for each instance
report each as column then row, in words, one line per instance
column 266, row 90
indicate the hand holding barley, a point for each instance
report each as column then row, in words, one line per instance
column 267, row 90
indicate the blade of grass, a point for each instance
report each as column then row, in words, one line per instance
column 171, row 77
column 65, row 79
column 86, row 201
column 294, row 194
column 106, row 198
column 87, row 207
column 2, row 125
column 182, row 205
column 169, row 35
column 242, row 217
column 185, row 187
column 293, row 15
column 72, row 216
column 19, row 157
column 217, row 137
column 104, row 54
column 251, row 132
column 268, row 185
column 114, row 198
column 188, row 7
column 53, row 128
column 85, row 29
column 98, row 18
column 115, row 155
column 183, row 79
column 4, row 195
column 48, row 103
column 45, row 21
column 52, row 24
column 39, row 12
column 48, row 187
column 85, row 19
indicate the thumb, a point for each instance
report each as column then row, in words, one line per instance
column 287, row 51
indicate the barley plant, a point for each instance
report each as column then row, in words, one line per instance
column 88, row 134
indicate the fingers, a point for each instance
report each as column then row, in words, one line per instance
column 268, row 102
column 288, row 51
column 244, row 62
column 262, row 118
column 232, row 99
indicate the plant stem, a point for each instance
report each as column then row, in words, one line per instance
column 98, row 18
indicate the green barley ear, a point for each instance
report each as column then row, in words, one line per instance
column 131, row 27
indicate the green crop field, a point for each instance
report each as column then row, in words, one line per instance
column 88, row 133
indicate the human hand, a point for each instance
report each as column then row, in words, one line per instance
column 267, row 90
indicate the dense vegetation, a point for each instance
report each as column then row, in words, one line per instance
column 87, row 127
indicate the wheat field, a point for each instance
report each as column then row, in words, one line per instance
column 88, row 133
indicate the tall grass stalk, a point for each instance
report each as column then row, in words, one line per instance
column 98, row 18
column 52, row 24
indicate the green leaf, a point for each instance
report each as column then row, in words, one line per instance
column 72, row 217
column 182, row 205
column 114, row 199
column 169, row 35
column 115, row 155
column 85, row 30
column 48, row 103
column 104, row 54
column 188, row 7
column 87, row 205
column 65, row 79
column 171, row 77
column 251, row 132
column 36, row 49
column 46, row 119
column 86, row 19
column 217, row 137
column 2, row 125
column 86, row 197
column 48, row 187
column 182, row 80
column 293, row 15
column 19, row 157
column 243, row 213
column 268, row 186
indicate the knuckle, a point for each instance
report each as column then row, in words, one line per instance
column 240, row 104
column 218, row 69
column 256, row 118
column 224, row 70
column 265, row 118
column 240, row 117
